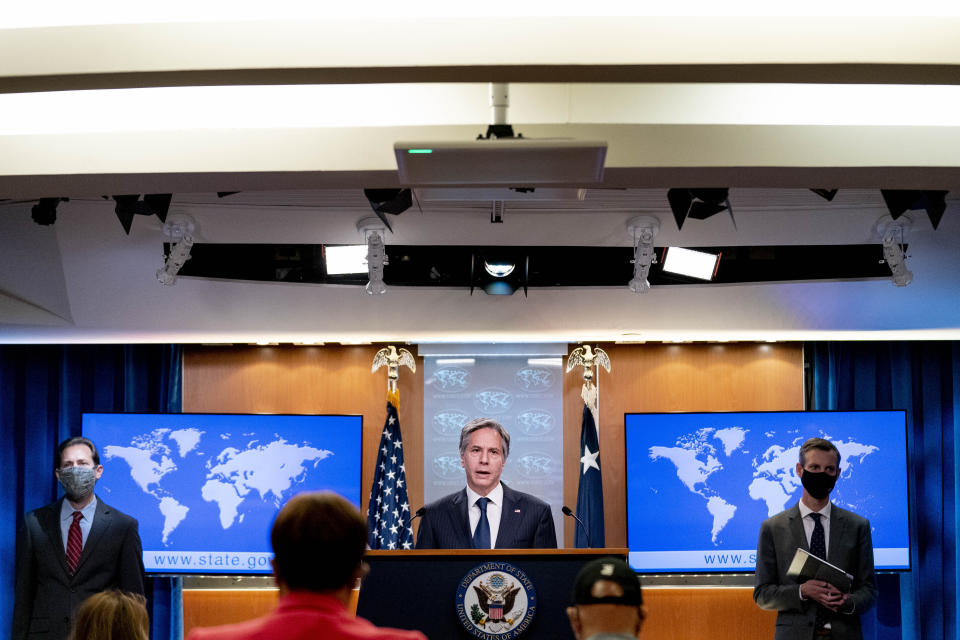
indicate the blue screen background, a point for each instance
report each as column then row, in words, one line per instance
column 264, row 451
column 664, row 514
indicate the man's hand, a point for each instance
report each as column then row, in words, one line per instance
column 824, row 593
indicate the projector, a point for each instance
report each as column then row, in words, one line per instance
column 501, row 162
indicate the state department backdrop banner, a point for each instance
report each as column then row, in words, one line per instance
column 524, row 394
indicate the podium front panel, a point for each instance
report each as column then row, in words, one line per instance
column 419, row 589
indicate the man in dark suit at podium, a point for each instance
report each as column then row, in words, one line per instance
column 815, row 610
column 487, row 514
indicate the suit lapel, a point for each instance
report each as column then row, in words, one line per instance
column 509, row 520
column 101, row 522
column 50, row 523
column 461, row 519
column 837, row 524
column 796, row 529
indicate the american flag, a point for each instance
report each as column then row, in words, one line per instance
column 388, row 516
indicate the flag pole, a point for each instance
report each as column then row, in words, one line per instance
column 388, row 512
column 590, row 488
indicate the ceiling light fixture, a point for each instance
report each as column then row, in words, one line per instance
column 152, row 204
column 699, row 204
column 643, row 230
column 893, row 232
column 345, row 259
column 499, row 276
column 691, row 263
column 45, row 211
column 372, row 232
column 179, row 229
column 899, row 202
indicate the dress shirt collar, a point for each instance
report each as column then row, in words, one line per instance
column 66, row 510
column 805, row 510
column 495, row 496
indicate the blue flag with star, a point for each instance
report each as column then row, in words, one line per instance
column 590, row 492
column 388, row 516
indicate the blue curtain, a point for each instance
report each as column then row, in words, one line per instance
column 922, row 378
column 44, row 390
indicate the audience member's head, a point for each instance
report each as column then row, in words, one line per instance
column 606, row 599
column 318, row 539
column 112, row 615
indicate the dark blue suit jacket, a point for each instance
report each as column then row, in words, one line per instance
column 525, row 523
column 46, row 593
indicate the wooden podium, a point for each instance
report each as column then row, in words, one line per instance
column 417, row 589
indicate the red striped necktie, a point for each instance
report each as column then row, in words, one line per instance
column 74, row 543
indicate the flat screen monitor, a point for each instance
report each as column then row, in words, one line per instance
column 700, row 484
column 205, row 488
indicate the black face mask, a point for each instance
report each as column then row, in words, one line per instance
column 819, row 485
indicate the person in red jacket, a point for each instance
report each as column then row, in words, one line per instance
column 318, row 540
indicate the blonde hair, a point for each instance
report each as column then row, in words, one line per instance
column 112, row 615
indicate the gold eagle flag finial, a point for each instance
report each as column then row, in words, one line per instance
column 393, row 358
column 589, row 359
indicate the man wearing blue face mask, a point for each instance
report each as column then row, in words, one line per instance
column 71, row 549
column 815, row 609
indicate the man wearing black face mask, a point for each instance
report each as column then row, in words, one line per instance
column 71, row 549
column 815, row 609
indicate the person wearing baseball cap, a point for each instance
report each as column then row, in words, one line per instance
column 607, row 602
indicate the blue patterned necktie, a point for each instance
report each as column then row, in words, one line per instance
column 481, row 536
column 818, row 547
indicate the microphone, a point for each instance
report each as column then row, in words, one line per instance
column 567, row 511
column 419, row 513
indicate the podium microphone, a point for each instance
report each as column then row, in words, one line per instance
column 569, row 512
column 419, row 513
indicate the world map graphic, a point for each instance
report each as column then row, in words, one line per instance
column 726, row 467
column 180, row 470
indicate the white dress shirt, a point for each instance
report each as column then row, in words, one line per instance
column 809, row 523
column 494, row 509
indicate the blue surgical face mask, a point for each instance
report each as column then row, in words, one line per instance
column 77, row 482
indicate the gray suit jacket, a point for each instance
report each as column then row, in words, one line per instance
column 46, row 594
column 850, row 547
column 525, row 523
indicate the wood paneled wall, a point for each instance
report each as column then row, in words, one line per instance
column 309, row 380
column 666, row 378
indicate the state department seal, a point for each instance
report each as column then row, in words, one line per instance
column 496, row 600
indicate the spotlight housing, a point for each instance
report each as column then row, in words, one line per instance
column 44, row 212
column 698, row 204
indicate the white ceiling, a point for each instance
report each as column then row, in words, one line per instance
column 300, row 155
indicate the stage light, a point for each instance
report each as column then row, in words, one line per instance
column 152, row 204
column 893, row 232
column 498, row 268
column 691, row 263
column 643, row 230
column 45, row 211
column 376, row 255
column 499, row 276
column 179, row 254
column 179, row 229
column 699, row 204
column 392, row 201
column 344, row 259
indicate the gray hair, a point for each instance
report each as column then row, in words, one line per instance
column 484, row 423
column 820, row 444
